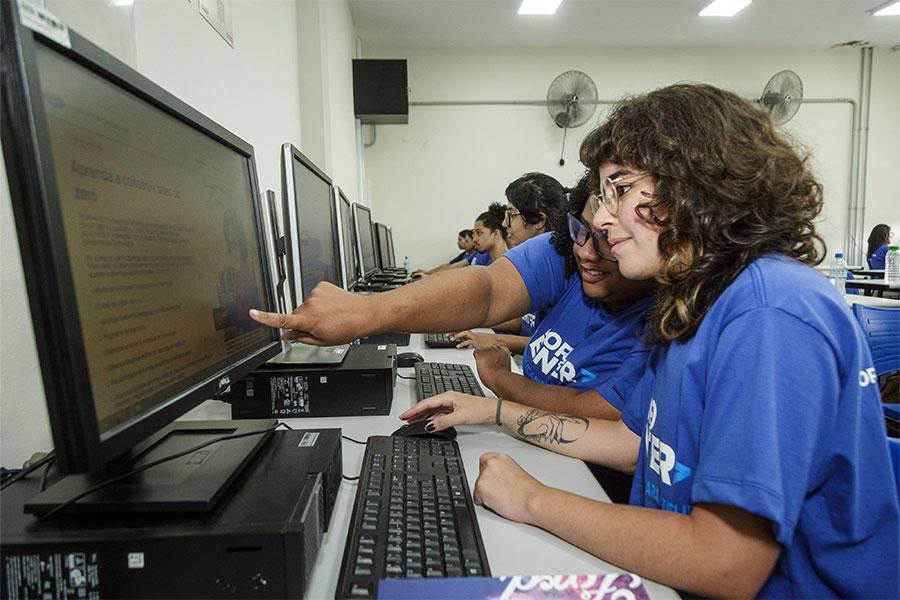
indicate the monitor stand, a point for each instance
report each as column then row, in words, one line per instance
column 191, row 483
column 299, row 354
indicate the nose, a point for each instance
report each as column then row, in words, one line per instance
column 602, row 219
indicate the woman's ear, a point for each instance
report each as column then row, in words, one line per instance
column 542, row 221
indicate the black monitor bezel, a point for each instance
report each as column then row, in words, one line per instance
column 350, row 274
column 80, row 447
column 359, row 250
column 293, row 258
column 390, row 235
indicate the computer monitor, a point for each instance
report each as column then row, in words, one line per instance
column 384, row 252
column 365, row 240
column 347, row 238
column 390, row 237
column 139, row 225
column 310, row 225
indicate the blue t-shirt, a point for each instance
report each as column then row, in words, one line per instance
column 578, row 342
column 466, row 256
column 481, row 258
column 773, row 407
column 876, row 261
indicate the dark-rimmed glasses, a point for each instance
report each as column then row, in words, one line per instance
column 611, row 193
column 509, row 214
column 579, row 232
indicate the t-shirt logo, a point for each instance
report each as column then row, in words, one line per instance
column 660, row 455
column 549, row 353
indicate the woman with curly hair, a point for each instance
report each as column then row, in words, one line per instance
column 756, row 436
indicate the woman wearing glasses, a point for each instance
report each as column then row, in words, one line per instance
column 756, row 428
column 532, row 201
column 583, row 358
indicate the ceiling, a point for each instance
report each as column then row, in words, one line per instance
column 621, row 23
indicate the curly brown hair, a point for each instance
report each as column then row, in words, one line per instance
column 576, row 198
column 729, row 189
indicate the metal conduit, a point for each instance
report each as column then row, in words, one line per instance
column 859, row 200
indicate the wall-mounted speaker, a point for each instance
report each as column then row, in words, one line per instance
column 380, row 91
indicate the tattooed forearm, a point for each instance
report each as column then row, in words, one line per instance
column 538, row 426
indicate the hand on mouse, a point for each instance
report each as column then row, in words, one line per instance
column 453, row 408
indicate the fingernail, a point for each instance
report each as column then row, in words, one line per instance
column 254, row 313
column 429, row 427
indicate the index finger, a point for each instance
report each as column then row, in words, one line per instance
column 279, row 320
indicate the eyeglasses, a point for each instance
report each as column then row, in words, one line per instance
column 509, row 214
column 611, row 194
column 580, row 234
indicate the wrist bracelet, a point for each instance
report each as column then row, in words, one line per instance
column 497, row 416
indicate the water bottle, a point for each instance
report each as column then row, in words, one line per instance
column 406, row 263
column 837, row 271
column 892, row 265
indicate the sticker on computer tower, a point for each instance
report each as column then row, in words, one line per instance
column 309, row 439
column 51, row 575
column 289, row 395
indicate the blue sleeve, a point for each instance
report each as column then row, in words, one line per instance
column 770, row 401
column 542, row 270
column 458, row 258
column 618, row 388
column 637, row 399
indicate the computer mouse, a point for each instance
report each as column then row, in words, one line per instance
column 408, row 359
column 417, row 429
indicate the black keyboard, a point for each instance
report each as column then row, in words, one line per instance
column 413, row 517
column 434, row 378
column 440, row 340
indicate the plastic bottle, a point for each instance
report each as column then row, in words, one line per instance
column 892, row 265
column 837, row 271
column 406, row 263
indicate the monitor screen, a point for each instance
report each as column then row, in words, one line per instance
column 384, row 253
column 365, row 240
column 348, row 242
column 311, row 241
column 139, row 224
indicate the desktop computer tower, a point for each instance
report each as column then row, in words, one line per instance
column 362, row 384
column 261, row 539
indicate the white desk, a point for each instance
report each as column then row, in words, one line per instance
column 512, row 548
column 871, row 300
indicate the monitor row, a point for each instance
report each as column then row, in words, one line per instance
column 325, row 237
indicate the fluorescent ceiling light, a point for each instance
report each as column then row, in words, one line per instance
column 724, row 8
column 888, row 10
column 539, row 7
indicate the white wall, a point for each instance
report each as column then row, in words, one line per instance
column 430, row 178
column 253, row 89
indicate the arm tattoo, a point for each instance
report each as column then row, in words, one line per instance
column 537, row 426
